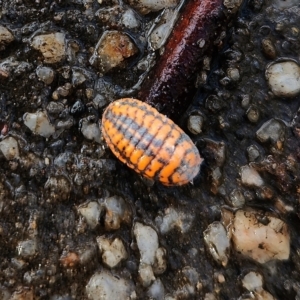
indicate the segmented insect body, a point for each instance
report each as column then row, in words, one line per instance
column 149, row 142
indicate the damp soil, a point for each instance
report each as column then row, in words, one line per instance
column 31, row 206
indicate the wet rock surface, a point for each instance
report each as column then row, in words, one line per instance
column 75, row 223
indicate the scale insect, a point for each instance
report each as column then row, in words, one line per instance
column 150, row 143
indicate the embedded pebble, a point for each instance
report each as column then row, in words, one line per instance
column 45, row 74
column 27, row 248
column 100, row 101
column 51, row 45
column 152, row 258
column 6, row 36
column 111, row 50
column 268, row 48
column 156, row 291
column 195, row 123
column 217, row 242
column 91, row 131
column 146, row 6
column 253, row 153
column 233, row 74
column 260, row 237
column 107, row 286
column 253, row 282
column 237, row 198
column 91, row 211
column 146, row 274
column 39, row 123
column 58, row 188
column 284, row 78
column 112, row 251
column 173, row 218
column 116, row 213
column 147, row 242
column 10, row 148
column 162, row 27
column 272, row 130
column 250, row 177
column 69, row 259
column 129, row 19
column 253, row 114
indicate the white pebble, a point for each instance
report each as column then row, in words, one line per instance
column 272, row 130
column 91, row 212
column 261, row 241
column 39, row 123
column 51, row 45
column 252, row 281
column 45, row 74
column 129, row 19
column 250, row 176
column 284, row 78
column 174, row 218
column 105, row 286
column 116, row 212
column 156, row 291
column 91, row 131
column 146, row 274
column 147, row 241
column 10, row 149
column 113, row 252
column 217, row 242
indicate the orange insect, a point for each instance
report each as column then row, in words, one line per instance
column 150, row 143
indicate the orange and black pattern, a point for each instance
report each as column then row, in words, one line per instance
column 149, row 142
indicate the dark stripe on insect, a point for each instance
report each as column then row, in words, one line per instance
column 179, row 169
column 157, row 173
column 163, row 162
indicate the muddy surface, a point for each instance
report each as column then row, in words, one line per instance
column 61, row 189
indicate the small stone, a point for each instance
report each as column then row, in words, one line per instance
column 100, row 101
column 195, row 123
column 105, row 286
column 45, row 74
column 284, row 78
column 233, row 74
column 112, row 49
column 91, row 131
column 116, row 212
column 10, row 148
column 6, row 36
column 272, row 130
column 27, row 248
column 253, row 153
column 260, row 237
column 146, row 274
column 147, row 241
column 91, row 212
column 69, row 259
column 217, row 242
column 250, row 177
column 253, row 114
column 174, row 218
column 113, row 252
column 156, row 291
column 237, row 198
column 39, row 123
column 145, row 6
column 51, row 45
column 268, row 48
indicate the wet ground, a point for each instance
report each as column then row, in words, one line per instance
column 75, row 223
